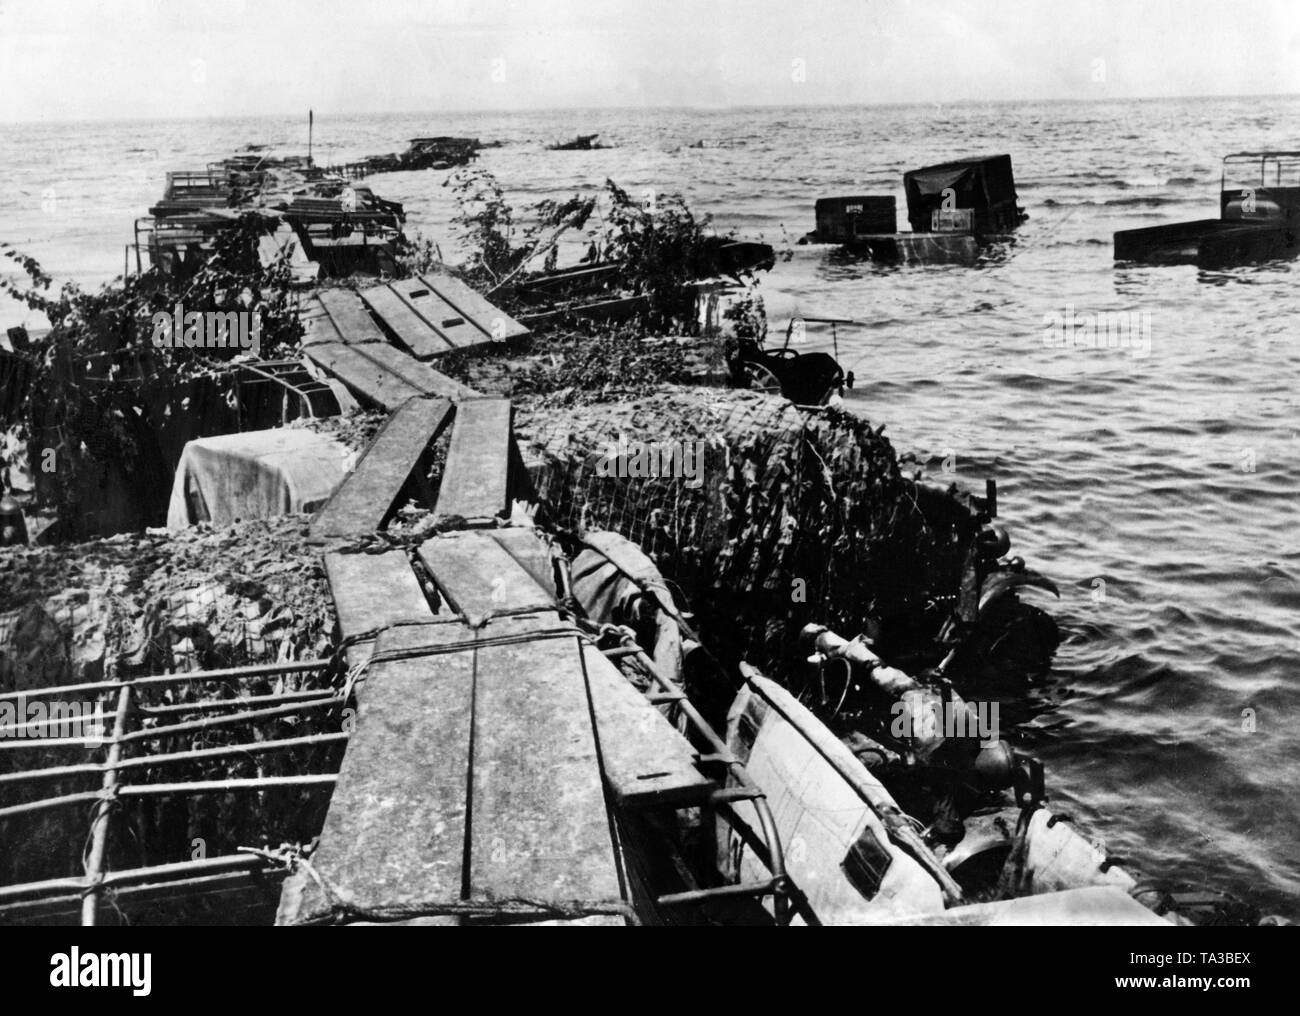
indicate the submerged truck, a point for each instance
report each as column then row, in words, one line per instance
column 954, row 208
column 1259, row 219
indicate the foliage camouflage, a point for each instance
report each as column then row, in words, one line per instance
column 101, row 394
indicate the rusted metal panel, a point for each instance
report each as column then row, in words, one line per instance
column 365, row 499
column 371, row 591
column 407, row 323
column 478, row 577
column 646, row 762
column 540, row 832
column 476, row 482
column 393, row 843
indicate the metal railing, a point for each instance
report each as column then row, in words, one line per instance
column 136, row 723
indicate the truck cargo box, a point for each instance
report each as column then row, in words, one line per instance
column 986, row 185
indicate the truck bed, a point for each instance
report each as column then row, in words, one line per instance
column 1206, row 243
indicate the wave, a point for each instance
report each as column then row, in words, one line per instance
column 1147, row 199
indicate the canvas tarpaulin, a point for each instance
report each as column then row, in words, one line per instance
column 255, row 475
column 985, row 185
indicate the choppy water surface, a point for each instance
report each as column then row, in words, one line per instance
column 1160, row 491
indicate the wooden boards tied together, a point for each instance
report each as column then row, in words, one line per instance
column 393, row 840
column 373, row 591
column 479, row 578
column 471, row 785
column 490, row 739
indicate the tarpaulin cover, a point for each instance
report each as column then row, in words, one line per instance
column 982, row 184
column 255, row 475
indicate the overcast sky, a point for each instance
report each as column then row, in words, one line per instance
column 126, row 59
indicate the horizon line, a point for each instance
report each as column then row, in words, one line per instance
column 732, row 107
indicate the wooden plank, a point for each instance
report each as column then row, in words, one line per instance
column 393, row 843
column 494, row 323
column 646, row 762
column 373, row 590
column 477, row 577
column 405, row 322
column 618, row 308
column 318, row 326
column 382, row 374
column 350, row 317
column 417, row 374
column 363, row 375
column 366, row 498
column 452, row 326
column 540, row 830
column 530, row 550
column 282, row 237
column 476, row 480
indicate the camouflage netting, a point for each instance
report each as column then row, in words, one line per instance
column 799, row 516
column 155, row 601
column 146, row 604
column 354, row 431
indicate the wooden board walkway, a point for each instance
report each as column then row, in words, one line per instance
column 433, row 314
column 491, row 736
column 471, row 785
column 393, row 842
column 477, row 479
column 478, row 577
column 371, row 591
column 540, row 830
column 405, row 323
column 530, row 552
column 382, row 375
column 367, row 497
column 342, row 338
column 348, row 317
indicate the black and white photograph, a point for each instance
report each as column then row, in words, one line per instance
column 678, row 463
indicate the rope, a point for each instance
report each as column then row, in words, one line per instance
column 336, row 658
column 390, row 655
column 357, row 672
column 492, row 615
column 292, row 858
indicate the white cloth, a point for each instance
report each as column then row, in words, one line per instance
column 255, row 475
